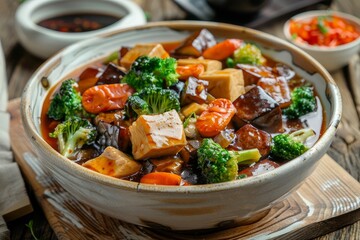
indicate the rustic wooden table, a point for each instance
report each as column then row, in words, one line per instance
column 345, row 148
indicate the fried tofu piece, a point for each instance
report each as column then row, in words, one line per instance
column 114, row 163
column 151, row 50
column 157, row 135
column 193, row 108
column 227, row 83
column 209, row 65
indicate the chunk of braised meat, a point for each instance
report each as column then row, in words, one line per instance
column 277, row 88
column 111, row 74
column 252, row 73
column 189, row 152
column 260, row 109
column 260, row 167
column 168, row 164
column 195, row 91
column 284, row 71
column 196, row 43
column 248, row 137
column 112, row 135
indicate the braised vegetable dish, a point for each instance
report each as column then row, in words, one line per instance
column 194, row 112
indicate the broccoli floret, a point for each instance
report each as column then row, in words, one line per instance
column 289, row 146
column 249, row 54
column 152, row 101
column 151, row 72
column 67, row 102
column 72, row 134
column 303, row 102
column 219, row 165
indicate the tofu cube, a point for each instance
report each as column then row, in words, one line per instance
column 114, row 163
column 151, row 50
column 226, row 83
column 209, row 65
column 157, row 135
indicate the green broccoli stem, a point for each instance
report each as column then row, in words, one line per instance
column 302, row 134
column 248, row 156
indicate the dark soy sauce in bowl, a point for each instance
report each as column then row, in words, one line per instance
column 78, row 22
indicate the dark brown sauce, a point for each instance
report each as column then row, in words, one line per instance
column 78, row 22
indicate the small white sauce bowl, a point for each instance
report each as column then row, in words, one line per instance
column 43, row 42
column 332, row 58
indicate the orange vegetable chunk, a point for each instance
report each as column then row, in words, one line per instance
column 223, row 49
column 192, row 70
column 106, row 97
column 163, row 178
column 215, row 118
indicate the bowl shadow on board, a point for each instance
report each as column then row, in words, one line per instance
column 166, row 231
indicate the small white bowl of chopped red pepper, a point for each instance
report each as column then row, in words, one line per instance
column 330, row 37
column 45, row 27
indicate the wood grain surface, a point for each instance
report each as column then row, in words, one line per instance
column 345, row 149
column 329, row 197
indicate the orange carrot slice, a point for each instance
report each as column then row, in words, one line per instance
column 163, row 178
column 223, row 49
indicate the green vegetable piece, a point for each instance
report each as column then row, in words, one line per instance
column 148, row 72
column 321, row 26
column 249, row 54
column 30, row 225
column 72, row 134
column 215, row 164
column 303, row 102
column 230, row 62
column 220, row 165
column 187, row 120
column 152, row 101
column 247, row 156
column 67, row 102
column 289, row 146
column 241, row 176
column 112, row 57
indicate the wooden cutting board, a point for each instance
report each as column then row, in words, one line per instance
column 328, row 200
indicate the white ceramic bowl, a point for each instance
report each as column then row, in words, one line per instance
column 43, row 42
column 332, row 58
column 169, row 207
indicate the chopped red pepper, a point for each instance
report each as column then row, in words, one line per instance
column 327, row 31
